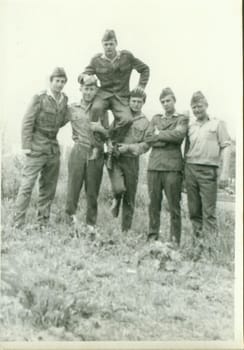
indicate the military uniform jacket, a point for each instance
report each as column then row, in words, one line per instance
column 114, row 76
column 135, row 137
column 166, row 146
column 42, row 120
column 80, row 118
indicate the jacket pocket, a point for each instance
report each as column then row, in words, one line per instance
column 138, row 133
column 47, row 120
column 211, row 134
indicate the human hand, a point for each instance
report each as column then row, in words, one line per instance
column 123, row 148
column 156, row 131
column 96, row 126
column 223, row 181
column 139, row 88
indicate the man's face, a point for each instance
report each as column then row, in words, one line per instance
column 136, row 104
column 57, row 84
column 88, row 92
column 168, row 103
column 199, row 109
column 109, row 47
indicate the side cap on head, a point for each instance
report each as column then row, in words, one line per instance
column 59, row 72
column 109, row 35
column 86, row 80
column 198, row 97
column 165, row 92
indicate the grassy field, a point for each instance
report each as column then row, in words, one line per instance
column 59, row 285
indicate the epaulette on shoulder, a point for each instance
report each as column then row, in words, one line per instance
column 125, row 52
column 215, row 121
column 98, row 55
column 184, row 116
column 144, row 122
column 65, row 96
column 157, row 116
column 43, row 92
column 74, row 104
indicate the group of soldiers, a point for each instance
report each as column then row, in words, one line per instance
column 120, row 145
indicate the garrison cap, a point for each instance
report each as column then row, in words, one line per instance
column 198, row 97
column 58, row 72
column 86, row 80
column 165, row 92
column 109, row 35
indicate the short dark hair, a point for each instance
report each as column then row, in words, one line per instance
column 138, row 93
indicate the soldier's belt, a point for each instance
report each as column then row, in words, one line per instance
column 49, row 134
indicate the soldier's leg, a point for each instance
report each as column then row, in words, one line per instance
column 76, row 175
column 155, row 187
column 194, row 200
column 47, row 186
column 116, row 178
column 93, row 181
column 130, row 168
column 98, row 108
column 32, row 167
column 172, row 188
column 117, row 181
column 208, row 192
column 97, row 112
column 122, row 116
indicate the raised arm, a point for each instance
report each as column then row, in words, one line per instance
column 143, row 70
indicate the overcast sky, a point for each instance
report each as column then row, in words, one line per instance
column 189, row 45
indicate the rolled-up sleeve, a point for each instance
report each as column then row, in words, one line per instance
column 223, row 135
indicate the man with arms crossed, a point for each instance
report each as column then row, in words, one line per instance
column 165, row 135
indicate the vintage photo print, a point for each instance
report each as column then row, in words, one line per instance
column 121, row 174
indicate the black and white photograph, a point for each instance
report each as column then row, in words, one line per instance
column 121, row 174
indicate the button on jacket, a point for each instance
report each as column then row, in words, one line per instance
column 114, row 75
column 42, row 121
column 166, row 146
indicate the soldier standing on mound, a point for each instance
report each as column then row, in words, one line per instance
column 47, row 113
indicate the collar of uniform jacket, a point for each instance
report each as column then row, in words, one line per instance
column 114, row 59
column 49, row 93
column 201, row 123
column 83, row 105
column 176, row 114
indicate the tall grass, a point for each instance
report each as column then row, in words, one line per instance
column 55, row 280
